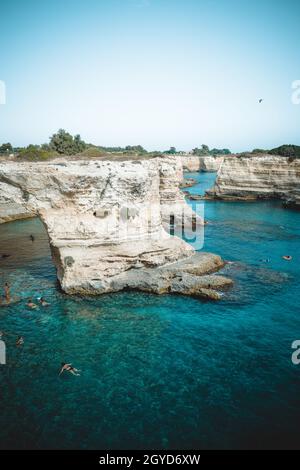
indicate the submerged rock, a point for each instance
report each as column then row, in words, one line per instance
column 195, row 197
column 188, row 182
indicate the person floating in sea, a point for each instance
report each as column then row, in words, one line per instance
column 69, row 368
column 20, row 341
column 287, row 257
column 43, row 302
column 7, row 292
column 31, row 304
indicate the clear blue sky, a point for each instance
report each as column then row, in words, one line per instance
column 151, row 72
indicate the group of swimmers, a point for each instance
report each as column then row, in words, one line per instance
column 40, row 300
column 65, row 367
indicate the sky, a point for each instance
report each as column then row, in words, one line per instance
column 158, row 73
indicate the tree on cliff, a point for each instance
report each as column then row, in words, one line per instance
column 135, row 149
column 6, row 148
column 204, row 150
column 292, row 151
column 171, row 151
column 220, row 152
column 64, row 143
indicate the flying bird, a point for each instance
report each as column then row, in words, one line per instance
column 260, row 100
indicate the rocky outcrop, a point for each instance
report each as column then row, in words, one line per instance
column 264, row 176
column 107, row 221
column 209, row 163
column 186, row 277
column 292, row 199
column 190, row 163
column 188, row 183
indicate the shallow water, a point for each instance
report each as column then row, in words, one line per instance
column 157, row 371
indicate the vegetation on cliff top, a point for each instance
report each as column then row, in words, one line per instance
column 204, row 150
column 36, row 153
column 6, row 148
column 62, row 143
column 292, row 151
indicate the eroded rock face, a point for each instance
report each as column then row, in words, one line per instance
column 192, row 276
column 257, row 177
column 105, row 221
column 209, row 163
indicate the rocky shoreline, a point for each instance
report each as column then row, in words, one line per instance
column 258, row 177
column 192, row 277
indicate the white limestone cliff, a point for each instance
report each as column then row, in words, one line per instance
column 104, row 218
column 258, row 177
column 209, row 163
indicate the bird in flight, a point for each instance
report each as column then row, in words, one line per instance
column 260, row 100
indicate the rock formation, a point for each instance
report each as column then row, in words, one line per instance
column 207, row 163
column 249, row 177
column 107, row 220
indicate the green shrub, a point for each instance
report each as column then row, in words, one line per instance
column 6, row 148
column 292, row 151
column 64, row 143
column 92, row 152
column 260, row 151
column 35, row 153
column 204, row 150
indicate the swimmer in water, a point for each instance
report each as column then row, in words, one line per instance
column 7, row 292
column 30, row 304
column 20, row 341
column 69, row 368
column 43, row 302
column 287, row 257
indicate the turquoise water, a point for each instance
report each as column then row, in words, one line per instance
column 158, row 371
